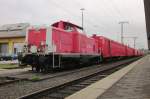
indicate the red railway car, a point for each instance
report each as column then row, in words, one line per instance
column 129, row 51
column 103, row 45
column 117, row 49
column 133, row 52
column 63, row 45
column 110, row 48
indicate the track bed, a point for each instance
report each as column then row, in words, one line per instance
column 28, row 87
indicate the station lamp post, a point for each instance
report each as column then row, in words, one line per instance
column 122, row 29
column 82, row 10
column 134, row 40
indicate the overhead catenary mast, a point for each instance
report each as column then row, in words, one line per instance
column 122, row 29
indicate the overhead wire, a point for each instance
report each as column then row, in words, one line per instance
column 73, row 15
column 101, row 22
column 94, row 23
column 105, row 10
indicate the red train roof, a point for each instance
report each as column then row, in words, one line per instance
column 67, row 23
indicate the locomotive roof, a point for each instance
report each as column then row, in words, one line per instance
column 67, row 23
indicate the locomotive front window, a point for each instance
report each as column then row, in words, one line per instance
column 68, row 28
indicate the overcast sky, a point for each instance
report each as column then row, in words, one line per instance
column 101, row 17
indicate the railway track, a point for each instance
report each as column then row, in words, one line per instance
column 8, row 80
column 44, row 76
column 65, row 89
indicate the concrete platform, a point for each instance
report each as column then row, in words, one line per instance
column 132, row 82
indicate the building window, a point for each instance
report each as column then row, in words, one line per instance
column 18, row 48
column 4, row 49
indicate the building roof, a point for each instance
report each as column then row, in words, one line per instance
column 13, row 30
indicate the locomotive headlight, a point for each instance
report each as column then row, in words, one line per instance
column 42, row 43
column 38, row 49
column 33, row 49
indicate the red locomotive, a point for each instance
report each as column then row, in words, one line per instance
column 63, row 44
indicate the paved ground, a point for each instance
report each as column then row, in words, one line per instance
column 8, row 72
column 9, row 62
column 134, row 85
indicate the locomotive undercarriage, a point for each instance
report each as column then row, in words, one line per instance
column 48, row 62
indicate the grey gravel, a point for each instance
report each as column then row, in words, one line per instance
column 16, row 90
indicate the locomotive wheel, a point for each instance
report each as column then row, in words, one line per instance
column 35, row 68
column 20, row 64
column 46, row 68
